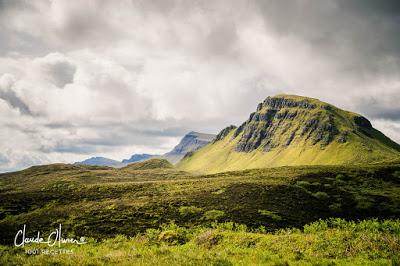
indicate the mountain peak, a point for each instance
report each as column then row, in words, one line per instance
column 192, row 141
column 98, row 160
column 293, row 130
column 283, row 119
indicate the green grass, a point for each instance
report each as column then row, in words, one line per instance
column 149, row 164
column 325, row 242
column 103, row 202
column 125, row 208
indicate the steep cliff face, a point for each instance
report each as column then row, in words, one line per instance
column 293, row 130
column 283, row 120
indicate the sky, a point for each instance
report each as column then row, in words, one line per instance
column 113, row 78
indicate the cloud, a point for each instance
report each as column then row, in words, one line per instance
column 55, row 68
column 82, row 78
column 9, row 95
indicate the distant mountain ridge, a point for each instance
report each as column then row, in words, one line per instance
column 101, row 161
column 138, row 158
column 189, row 143
column 294, row 130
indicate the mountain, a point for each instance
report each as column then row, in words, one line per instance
column 102, row 161
column 138, row 158
column 294, row 130
column 190, row 143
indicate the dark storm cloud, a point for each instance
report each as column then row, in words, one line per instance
column 361, row 35
column 60, row 71
column 14, row 101
column 63, row 74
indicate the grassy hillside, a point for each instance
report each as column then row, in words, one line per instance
column 149, row 164
column 331, row 242
column 292, row 130
column 102, row 202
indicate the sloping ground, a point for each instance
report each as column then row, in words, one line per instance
column 291, row 130
column 149, row 164
column 101, row 202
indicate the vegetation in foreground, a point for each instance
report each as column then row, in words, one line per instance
column 325, row 242
column 102, row 202
column 231, row 218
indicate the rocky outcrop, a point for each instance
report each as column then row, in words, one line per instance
column 224, row 133
column 362, row 122
column 282, row 102
column 279, row 120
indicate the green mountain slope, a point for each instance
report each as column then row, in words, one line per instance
column 294, row 130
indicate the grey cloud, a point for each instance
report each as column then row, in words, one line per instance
column 360, row 35
column 18, row 40
column 10, row 97
column 56, row 68
column 14, row 101
column 205, row 75
column 380, row 107
column 62, row 73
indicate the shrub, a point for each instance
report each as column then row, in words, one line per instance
column 273, row 215
column 213, row 215
column 335, row 207
column 222, row 262
column 230, row 226
column 395, row 261
column 261, row 229
column 396, row 174
column 189, row 210
column 174, row 234
column 341, row 177
column 224, row 226
column 363, row 203
column 169, row 236
column 317, row 226
column 320, row 195
column 152, row 234
column 209, row 238
column 302, row 183
column 219, row 191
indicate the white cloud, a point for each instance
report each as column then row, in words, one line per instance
column 82, row 78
